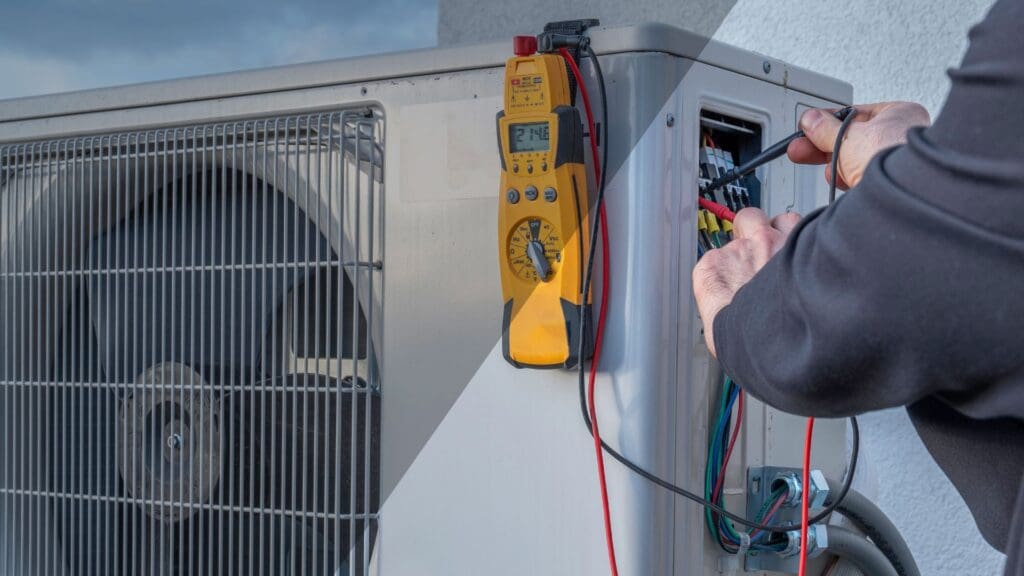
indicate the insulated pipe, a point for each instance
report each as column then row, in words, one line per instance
column 870, row 520
column 849, row 545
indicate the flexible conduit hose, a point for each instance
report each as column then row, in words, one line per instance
column 870, row 520
column 849, row 545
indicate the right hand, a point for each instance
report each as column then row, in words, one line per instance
column 875, row 128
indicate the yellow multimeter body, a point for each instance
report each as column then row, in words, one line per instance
column 543, row 216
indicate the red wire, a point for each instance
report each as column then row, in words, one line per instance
column 717, row 209
column 768, row 516
column 599, row 332
column 804, row 498
column 728, row 452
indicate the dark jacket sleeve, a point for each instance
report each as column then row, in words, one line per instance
column 911, row 284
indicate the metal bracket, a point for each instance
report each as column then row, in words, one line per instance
column 759, row 489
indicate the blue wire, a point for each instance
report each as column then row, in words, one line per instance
column 720, row 445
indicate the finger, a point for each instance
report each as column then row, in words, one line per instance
column 840, row 183
column 749, row 221
column 866, row 112
column 785, row 223
column 820, row 127
column 711, row 292
column 802, row 151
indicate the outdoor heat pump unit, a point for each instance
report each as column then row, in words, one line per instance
column 250, row 324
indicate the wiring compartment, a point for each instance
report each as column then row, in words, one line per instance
column 723, row 143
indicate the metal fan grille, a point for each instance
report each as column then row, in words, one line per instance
column 189, row 376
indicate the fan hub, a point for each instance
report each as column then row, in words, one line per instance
column 170, row 441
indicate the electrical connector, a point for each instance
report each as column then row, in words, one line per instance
column 794, row 489
column 817, row 541
column 712, row 221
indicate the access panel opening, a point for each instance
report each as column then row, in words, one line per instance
column 726, row 142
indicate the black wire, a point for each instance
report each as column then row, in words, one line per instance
column 854, row 452
column 835, row 154
column 595, row 228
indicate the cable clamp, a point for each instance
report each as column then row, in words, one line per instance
column 744, row 544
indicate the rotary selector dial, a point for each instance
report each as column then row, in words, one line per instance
column 534, row 250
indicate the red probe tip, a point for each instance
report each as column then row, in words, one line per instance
column 717, row 209
column 524, row 45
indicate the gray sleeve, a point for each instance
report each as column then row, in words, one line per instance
column 912, row 283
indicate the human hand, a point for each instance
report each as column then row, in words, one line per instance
column 874, row 128
column 720, row 273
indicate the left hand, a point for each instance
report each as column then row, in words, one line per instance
column 722, row 272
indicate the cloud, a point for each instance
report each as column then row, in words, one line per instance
column 57, row 45
column 25, row 74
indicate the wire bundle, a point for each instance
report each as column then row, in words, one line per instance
column 720, row 449
column 600, row 225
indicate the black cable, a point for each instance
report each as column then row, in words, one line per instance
column 587, row 277
column 596, row 226
column 854, row 451
column 835, row 154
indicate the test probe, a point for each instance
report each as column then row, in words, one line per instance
column 769, row 154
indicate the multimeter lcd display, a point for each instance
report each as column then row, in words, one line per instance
column 532, row 137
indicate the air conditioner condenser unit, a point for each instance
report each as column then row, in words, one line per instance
column 251, row 323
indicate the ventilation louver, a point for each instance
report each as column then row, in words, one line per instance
column 188, row 328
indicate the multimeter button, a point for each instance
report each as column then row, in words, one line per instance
column 515, row 167
column 529, row 168
column 512, row 195
column 544, row 166
column 550, row 194
column 530, row 192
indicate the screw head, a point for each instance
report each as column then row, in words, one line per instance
column 670, row 120
column 767, row 67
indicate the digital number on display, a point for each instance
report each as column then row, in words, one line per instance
column 534, row 137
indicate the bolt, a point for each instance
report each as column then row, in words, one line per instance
column 767, row 67
column 670, row 120
column 174, row 441
column 818, row 489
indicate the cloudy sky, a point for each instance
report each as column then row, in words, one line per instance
column 59, row 45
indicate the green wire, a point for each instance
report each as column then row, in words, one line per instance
column 776, row 494
column 712, row 526
column 707, row 468
column 768, row 504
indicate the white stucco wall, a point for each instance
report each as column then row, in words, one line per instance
column 888, row 50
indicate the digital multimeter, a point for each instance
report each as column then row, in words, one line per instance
column 543, row 212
